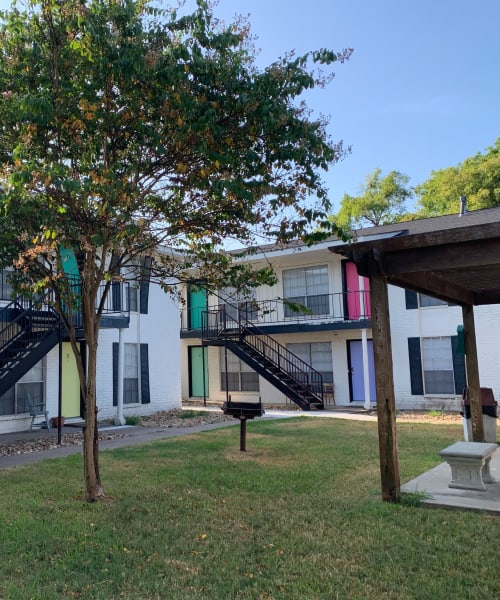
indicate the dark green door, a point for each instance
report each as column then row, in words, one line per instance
column 198, row 372
column 197, row 303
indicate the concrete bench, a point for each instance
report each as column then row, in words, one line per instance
column 470, row 464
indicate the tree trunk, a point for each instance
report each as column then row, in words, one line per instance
column 93, row 486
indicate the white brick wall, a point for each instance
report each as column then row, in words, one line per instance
column 160, row 330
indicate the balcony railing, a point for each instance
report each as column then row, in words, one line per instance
column 117, row 303
column 322, row 308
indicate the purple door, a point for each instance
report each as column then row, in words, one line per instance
column 355, row 363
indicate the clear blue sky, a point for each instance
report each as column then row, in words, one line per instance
column 420, row 92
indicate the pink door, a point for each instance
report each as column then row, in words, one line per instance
column 358, row 303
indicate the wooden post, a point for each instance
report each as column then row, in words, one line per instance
column 384, row 379
column 476, row 409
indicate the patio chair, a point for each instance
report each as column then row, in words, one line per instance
column 37, row 410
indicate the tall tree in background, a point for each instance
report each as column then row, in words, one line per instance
column 382, row 200
column 124, row 127
column 477, row 178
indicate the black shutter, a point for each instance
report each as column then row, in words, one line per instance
column 116, row 286
column 145, row 394
column 411, row 299
column 416, row 378
column 115, row 373
column 144, row 289
column 458, row 367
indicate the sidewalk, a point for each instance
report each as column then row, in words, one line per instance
column 433, row 483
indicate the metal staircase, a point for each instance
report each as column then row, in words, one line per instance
column 27, row 332
column 287, row 372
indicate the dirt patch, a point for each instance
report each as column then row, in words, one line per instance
column 436, row 417
column 183, row 418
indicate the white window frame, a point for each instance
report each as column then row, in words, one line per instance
column 425, row 301
column 131, row 374
column 437, row 366
column 35, row 376
column 237, row 372
column 307, row 286
column 317, row 354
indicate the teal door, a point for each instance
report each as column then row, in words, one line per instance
column 198, row 372
column 197, row 303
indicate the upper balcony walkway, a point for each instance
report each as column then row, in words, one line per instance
column 115, row 311
column 344, row 310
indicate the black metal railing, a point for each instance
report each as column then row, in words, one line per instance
column 219, row 324
column 329, row 308
column 117, row 301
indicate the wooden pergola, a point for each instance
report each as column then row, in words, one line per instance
column 455, row 258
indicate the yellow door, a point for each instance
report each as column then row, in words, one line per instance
column 70, row 383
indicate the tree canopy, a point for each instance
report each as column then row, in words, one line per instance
column 477, row 178
column 382, row 200
column 124, row 128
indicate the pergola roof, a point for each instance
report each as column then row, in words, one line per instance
column 455, row 258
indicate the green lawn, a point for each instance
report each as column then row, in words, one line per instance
column 298, row 516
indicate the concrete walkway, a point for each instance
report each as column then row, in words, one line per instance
column 433, row 484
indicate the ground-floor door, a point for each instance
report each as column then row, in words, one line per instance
column 198, row 372
column 70, row 383
column 356, row 370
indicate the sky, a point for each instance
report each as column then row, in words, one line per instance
column 421, row 91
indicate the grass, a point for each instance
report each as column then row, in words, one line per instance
column 298, row 516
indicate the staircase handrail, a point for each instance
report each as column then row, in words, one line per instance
column 17, row 327
column 275, row 352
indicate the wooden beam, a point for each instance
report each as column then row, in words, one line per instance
column 427, row 283
column 384, row 379
column 466, row 255
column 453, row 235
column 472, row 368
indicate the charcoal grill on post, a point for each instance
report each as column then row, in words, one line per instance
column 243, row 411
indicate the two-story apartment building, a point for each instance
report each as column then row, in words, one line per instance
column 320, row 312
column 138, row 343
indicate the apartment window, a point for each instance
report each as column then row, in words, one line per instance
column 15, row 400
column 239, row 376
column 316, row 354
column 437, row 366
column 307, row 287
column 437, row 362
column 135, row 374
column 5, row 286
column 131, row 374
column 414, row 300
column 240, row 304
column 133, row 294
column 425, row 301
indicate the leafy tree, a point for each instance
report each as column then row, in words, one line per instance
column 125, row 128
column 477, row 178
column 382, row 200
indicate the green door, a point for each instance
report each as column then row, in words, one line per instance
column 197, row 303
column 69, row 264
column 198, row 372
